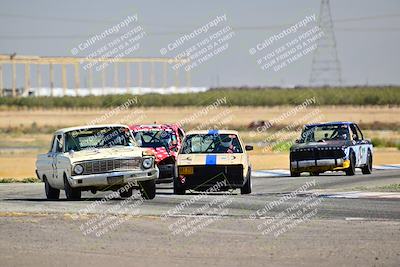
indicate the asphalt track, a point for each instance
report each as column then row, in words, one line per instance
column 337, row 230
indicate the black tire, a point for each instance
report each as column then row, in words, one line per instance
column 246, row 189
column 126, row 193
column 70, row 192
column 178, row 189
column 367, row 169
column 314, row 173
column 351, row 170
column 148, row 189
column 294, row 173
column 51, row 192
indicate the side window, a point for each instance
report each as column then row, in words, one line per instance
column 354, row 133
column 359, row 133
column 59, row 143
column 52, row 144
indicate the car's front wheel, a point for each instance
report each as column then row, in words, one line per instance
column 148, row 189
column 351, row 170
column 294, row 173
column 367, row 169
column 51, row 192
column 246, row 189
column 178, row 189
column 125, row 193
column 70, row 192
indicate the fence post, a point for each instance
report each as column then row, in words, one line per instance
column 176, row 79
column 115, row 75
column 103, row 80
column 14, row 79
column 77, row 82
column 1, row 80
column 140, row 77
column 27, row 77
column 64, row 78
column 128, row 77
column 90, row 81
column 165, row 70
column 51, row 79
column 152, row 83
column 39, row 78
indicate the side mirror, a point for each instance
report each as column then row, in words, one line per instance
column 248, row 148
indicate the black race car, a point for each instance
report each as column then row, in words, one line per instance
column 334, row 146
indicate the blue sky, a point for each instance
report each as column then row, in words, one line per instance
column 367, row 34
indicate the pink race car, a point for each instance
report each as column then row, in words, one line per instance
column 164, row 140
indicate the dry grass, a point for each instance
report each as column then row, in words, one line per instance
column 20, row 163
column 240, row 115
column 17, row 166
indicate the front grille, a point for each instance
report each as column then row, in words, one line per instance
column 109, row 165
column 317, row 153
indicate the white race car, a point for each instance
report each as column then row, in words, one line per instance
column 213, row 157
column 104, row 157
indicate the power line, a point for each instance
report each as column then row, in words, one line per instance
column 166, row 33
column 30, row 17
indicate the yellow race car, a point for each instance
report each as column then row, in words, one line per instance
column 213, row 160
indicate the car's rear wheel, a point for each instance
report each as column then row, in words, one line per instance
column 351, row 170
column 51, row 192
column 148, row 189
column 70, row 192
column 246, row 189
column 178, row 189
column 367, row 169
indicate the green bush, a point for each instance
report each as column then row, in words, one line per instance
column 379, row 142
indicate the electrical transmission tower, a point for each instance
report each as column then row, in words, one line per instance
column 325, row 68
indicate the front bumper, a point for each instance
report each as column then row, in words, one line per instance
column 319, row 165
column 103, row 179
column 206, row 176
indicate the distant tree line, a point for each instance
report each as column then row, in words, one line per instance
column 244, row 96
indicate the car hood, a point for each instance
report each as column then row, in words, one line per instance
column 210, row 159
column 106, row 153
column 330, row 143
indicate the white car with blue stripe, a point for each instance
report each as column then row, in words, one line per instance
column 213, row 157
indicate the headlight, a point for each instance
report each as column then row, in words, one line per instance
column 148, row 153
column 147, row 163
column 78, row 169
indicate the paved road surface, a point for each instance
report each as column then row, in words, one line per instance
column 218, row 229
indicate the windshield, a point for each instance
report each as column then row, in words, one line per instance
column 324, row 133
column 211, row 143
column 98, row 138
column 155, row 138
